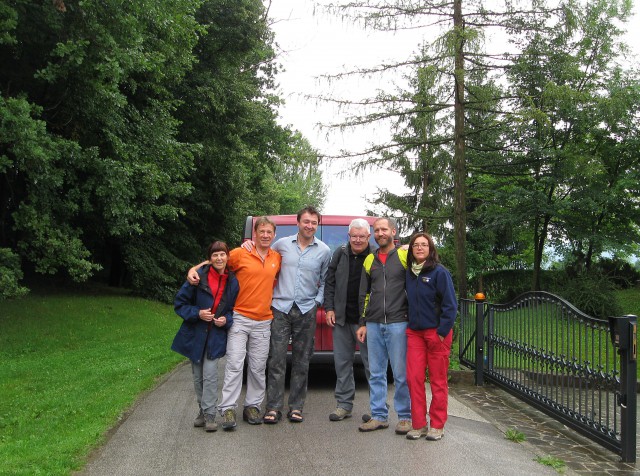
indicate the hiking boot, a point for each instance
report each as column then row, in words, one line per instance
column 365, row 417
column 340, row 414
column 435, row 434
column 199, row 421
column 229, row 419
column 373, row 424
column 417, row 434
column 403, row 427
column 252, row 416
column 210, row 422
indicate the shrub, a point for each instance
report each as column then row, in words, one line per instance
column 593, row 294
column 505, row 285
column 10, row 275
column 619, row 271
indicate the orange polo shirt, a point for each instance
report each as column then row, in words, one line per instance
column 256, row 279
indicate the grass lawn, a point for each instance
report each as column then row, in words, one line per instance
column 629, row 300
column 71, row 365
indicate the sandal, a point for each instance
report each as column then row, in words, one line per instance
column 295, row 416
column 272, row 417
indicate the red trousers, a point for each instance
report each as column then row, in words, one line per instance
column 425, row 351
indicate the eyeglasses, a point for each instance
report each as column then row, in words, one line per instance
column 421, row 245
column 358, row 237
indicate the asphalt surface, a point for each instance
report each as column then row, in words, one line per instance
column 157, row 437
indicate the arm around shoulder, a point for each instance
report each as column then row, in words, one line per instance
column 193, row 277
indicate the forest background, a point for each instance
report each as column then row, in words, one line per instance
column 131, row 133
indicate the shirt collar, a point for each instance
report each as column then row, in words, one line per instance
column 295, row 240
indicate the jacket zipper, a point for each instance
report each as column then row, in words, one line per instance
column 384, row 290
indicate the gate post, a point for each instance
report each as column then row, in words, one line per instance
column 624, row 332
column 479, row 376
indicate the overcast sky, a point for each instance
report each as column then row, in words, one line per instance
column 313, row 44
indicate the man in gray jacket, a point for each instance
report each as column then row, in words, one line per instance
column 383, row 308
column 341, row 304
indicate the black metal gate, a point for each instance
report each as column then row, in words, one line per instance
column 574, row 367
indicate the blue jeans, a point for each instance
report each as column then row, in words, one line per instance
column 388, row 343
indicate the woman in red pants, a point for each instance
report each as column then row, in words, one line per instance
column 432, row 312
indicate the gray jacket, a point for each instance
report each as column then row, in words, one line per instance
column 383, row 298
column 335, row 286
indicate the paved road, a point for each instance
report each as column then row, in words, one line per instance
column 157, row 437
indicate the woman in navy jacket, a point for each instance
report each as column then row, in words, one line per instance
column 432, row 312
column 207, row 310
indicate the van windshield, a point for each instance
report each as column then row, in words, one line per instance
column 333, row 236
column 285, row 230
column 336, row 235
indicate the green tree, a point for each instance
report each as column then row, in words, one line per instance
column 562, row 82
column 603, row 213
column 92, row 162
column 420, row 153
column 299, row 178
column 519, row 122
column 133, row 133
column 248, row 163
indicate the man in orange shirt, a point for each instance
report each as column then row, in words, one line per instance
column 249, row 336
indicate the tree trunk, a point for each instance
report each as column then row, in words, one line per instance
column 460, row 220
column 116, row 270
column 423, row 199
column 540, row 239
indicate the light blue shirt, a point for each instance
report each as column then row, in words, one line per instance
column 302, row 274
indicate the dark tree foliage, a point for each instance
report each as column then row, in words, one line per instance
column 133, row 133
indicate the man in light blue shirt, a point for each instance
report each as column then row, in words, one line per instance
column 296, row 297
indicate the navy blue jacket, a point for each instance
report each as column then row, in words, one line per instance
column 432, row 300
column 194, row 333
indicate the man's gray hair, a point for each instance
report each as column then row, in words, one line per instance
column 359, row 223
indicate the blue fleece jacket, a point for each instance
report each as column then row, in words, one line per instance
column 432, row 300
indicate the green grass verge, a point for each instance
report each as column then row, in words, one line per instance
column 629, row 300
column 71, row 365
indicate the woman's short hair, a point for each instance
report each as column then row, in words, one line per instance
column 216, row 246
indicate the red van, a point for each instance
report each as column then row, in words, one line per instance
column 332, row 230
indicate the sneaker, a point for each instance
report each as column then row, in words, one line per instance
column 199, row 421
column 340, row 414
column 403, row 427
column 210, row 422
column 435, row 434
column 373, row 424
column 252, row 416
column 365, row 417
column 229, row 419
column 417, row 434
